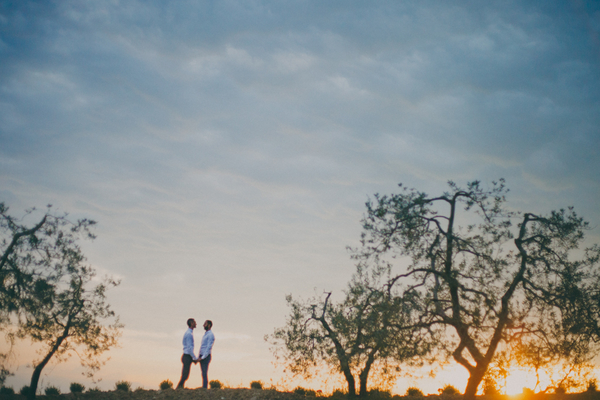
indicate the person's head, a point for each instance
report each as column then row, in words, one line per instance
column 191, row 323
column 207, row 325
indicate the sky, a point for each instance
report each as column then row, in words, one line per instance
column 227, row 148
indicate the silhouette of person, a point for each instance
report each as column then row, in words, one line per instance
column 205, row 351
column 188, row 356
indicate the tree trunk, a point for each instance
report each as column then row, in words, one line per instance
column 351, row 383
column 364, row 375
column 475, row 379
column 37, row 371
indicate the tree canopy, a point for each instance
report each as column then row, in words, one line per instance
column 367, row 330
column 493, row 276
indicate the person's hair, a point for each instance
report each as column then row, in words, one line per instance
column 209, row 323
column 189, row 322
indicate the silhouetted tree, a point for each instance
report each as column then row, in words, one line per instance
column 45, row 292
column 70, row 317
column 367, row 329
column 33, row 256
column 489, row 281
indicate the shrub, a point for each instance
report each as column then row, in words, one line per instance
column 338, row 394
column 305, row 392
column 94, row 390
column 256, row 385
column 123, row 386
column 215, row 384
column 24, row 390
column 489, row 387
column 592, row 386
column 380, row 394
column 8, row 391
column 166, row 384
column 414, row 392
column 52, row 391
column 449, row 389
column 76, row 387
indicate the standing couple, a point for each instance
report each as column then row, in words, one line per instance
column 203, row 358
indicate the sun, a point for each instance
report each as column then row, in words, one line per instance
column 518, row 379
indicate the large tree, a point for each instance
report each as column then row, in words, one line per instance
column 367, row 330
column 491, row 276
column 45, row 292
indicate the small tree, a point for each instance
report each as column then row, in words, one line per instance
column 368, row 329
column 490, row 281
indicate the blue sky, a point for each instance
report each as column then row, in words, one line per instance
column 227, row 148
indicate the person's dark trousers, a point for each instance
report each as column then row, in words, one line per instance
column 204, row 367
column 186, row 360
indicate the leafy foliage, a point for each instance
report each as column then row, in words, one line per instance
column 494, row 277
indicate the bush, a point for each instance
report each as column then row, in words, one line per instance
column 94, row 390
column 123, row 386
column 449, row 389
column 8, row 391
column 256, row 385
column 305, row 392
column 24, row 390
column 592, row 386
column 380, row 394
column 52, row 391
column 489, row 387
column 76, row 387
column 338, row 394
column 215, row 384
column 166, row 384
column 414, row 392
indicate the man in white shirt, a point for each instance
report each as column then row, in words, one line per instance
column 188, row 356
column 205, row 351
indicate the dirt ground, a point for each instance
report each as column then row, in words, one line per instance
column 182, row 394
column 253, row 394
